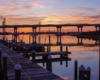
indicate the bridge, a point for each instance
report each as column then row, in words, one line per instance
column 34, row 27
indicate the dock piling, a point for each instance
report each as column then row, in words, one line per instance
column 18, row 69
column 49, row 63
column 88, row 73
column 33, row 55
column 81, row 72
column 75, row 69
column 4, row 55
column 0, row 56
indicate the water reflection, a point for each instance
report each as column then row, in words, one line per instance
column 88, row 56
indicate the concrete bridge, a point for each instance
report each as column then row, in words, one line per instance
column 34, row 27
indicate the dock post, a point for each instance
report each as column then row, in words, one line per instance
column 26, row 55
column 24, row 50
column 81, row 72
column 49, row 63
column 1, row 72
column 4, row 55
column 88, row 73
column 18, row 69
column 0, row 56
column 33, row 55
column 75, row 70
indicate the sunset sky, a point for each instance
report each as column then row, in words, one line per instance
column 49, row 11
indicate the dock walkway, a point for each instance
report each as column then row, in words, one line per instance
column 30, row 70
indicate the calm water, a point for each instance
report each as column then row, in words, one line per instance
column 88, row 56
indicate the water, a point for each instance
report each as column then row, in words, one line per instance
column 88, row 56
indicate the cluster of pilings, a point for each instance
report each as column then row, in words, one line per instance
column 81, row 73
column 3, row 68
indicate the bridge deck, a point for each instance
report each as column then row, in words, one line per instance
column 30, row 70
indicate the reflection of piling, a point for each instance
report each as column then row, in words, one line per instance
column 18, row 69
column 61, row 60
column 75, row 70
column 61, row 48
column 4, row 55
column 66, row 51
column 49, row 63
column 60, row 55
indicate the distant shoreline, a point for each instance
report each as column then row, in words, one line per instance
column 90, row 35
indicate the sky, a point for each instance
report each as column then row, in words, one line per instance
column 49, row 11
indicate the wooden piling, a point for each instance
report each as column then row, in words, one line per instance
column 88, row 73
column 81, row 72
column 24, row 50
column 26, row 55
column 18, row 69
column 49, row 63
column 0, row 56
column 75, row 69
column 4, row 55
column 33, row 55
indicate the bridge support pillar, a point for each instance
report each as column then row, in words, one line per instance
column 80, row 28
column 58, row 34
column 80, row 41
column 96, row 28
column 39, row 36
column 34, row 34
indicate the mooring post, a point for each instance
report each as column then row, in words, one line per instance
column 24, row 48
column 4, row 55
column 18, row 69
column 33, row 55
column 75, row 69
column 88, row 73
column 1, row 72
column 27, row 56
column 18, row 48
column 0, row 56
column 49, row 63
column 81, row 72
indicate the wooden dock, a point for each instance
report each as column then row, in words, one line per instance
column 30, row 70
column 51, row 53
